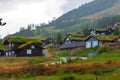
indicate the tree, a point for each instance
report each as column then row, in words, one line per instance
column 86, row 31
column 116, row 31
column 58, row 39
column 1, row 23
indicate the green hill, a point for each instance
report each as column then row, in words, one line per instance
column 115, row 10
column 98, row 13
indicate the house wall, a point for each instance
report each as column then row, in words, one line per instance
column 35, row 52
column 2, row 53
column 92, row 42
column 107, row 32
column 118, row 40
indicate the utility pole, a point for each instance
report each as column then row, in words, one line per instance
column 2, row 23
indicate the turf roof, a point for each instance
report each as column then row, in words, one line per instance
column 105, row 37
column 77, row 39
column 25, row 44
column 2, row 47
column 76, row 35
column 25, row 39
column 102, row 29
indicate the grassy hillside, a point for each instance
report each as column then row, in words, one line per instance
column 115, row 10
column 104, row 66
column 98, row 13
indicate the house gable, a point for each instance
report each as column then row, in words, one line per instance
column 16, row 46
column 91, row 42
column 107, row 31
column 32, row 49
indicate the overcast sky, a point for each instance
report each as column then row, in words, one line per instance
column 20, row 13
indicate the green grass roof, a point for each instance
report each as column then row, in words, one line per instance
column 25, row 39
column 2, row 47
column 105, row 37
column 76, row 35
column 102, row 29
column 77, row 38
column 25, row 44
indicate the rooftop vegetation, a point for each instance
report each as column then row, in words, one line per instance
column 25, row 39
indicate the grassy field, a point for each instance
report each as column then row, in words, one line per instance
column 105, row 66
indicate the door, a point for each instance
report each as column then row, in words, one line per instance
column 88, row 44
column 95, row 43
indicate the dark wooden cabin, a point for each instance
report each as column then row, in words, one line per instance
column 2, row 47
column 73, row 40
column 104, row 31
column 47, row 41
column 73, row 37
column 21, row 46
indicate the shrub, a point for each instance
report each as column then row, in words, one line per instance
column 69, row 77
column 28, row 75
column 69, row 60
column 102, row 49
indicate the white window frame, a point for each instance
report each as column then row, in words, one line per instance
column 6, row 53
column 9, row 45
column 109, row 30
column 102, row 33
column 29, row 51
column 13, row 45
column 118, row 39
column 13, row 52
column 10, row 53
column 33, row 46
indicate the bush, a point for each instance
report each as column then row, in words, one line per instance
column 69, row 60
column 69, row 77
column 28, row 75
column 102, row 49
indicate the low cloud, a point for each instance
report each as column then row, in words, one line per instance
column 19, row 13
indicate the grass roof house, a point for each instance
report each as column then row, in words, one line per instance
column 23, row 46
column 97, row 40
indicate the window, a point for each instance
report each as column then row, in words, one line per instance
column 29, row 51
column 69, row 42
column 9, row 45
column 118, row 39
column 9, row 54
column 102, row 33
column 88, row 44
column 95, row 43
column 13, row 45
column 33, row 46
column 6, row 53
column 50, row 40
column 13, row 52
column 100, row 43
column 109, row 30
column 43, row 44
column 68, row 39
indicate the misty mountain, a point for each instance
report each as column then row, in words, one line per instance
column 87, row 15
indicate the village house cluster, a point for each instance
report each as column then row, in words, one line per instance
column 35, row 46
column 96, row 37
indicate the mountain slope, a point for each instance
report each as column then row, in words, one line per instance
column 72, row 17
column 98, row 13
column 115, row 10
